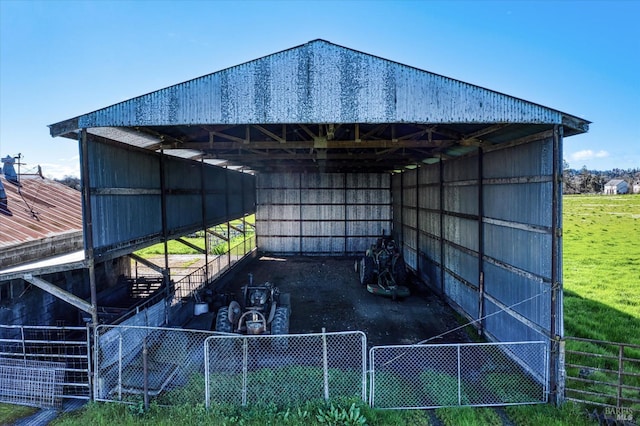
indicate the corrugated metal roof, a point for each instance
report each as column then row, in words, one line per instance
column 40, row 208
column 319, row 82
column 320, row 107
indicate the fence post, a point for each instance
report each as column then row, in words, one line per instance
column 620, row 373
column 145, row 374
column 459, row 378
column 562, row 374
column 120, row 367
column 245, row 368
column 325, row 364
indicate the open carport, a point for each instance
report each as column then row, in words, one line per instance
column 329, row 146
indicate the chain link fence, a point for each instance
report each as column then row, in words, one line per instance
column 176, row 366
column 285, row 369
column 474, row 374
column 165, row 364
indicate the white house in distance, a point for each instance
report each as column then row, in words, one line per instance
column 616, row 186
column 636, row 188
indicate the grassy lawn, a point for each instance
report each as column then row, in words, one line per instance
column 602, row 267
column 176, row 247
column 602, row 289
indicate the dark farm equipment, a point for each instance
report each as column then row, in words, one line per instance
column 261, row 310
column 382, row 269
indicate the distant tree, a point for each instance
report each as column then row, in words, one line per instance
column 568, row 184
column 70, row 181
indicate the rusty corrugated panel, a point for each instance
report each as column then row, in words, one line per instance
column 318, row 82
column 45, row 209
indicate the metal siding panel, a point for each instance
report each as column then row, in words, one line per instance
column 409, row 217
column 430, row 223
column 179, row 215
column 529, row 251
column 463, row 232
column 368, row 212
column 530, row 297
column 322, row 180
column 279, row 196
column 525, row 203
column 462, row 264
column 368, row 180
column 461, row 169
column 410, row 178
column 506, row 328
column 461, row 199
column 323, row 228
column 279, row 244
column 113, row 167
column 278, row 228
column 368, row 196
column 316, row 202
column 323, row 245
column 277, row 180
column 356, row 245
column 323, row 212
column 430, row 247
column 214, row 205
column 323, row 196
column 430, row 197
column 268, row 212
column 367, row 228
column 430, row 174
column 142, row 219
column 410, row 246
column 465, row 297
column 531, row 159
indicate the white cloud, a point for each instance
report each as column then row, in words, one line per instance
column 588, row 154
column 59, row 170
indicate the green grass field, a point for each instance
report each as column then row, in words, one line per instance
column 176, row 247
column 601, row 257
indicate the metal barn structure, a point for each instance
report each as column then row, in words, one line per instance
column 329, row 147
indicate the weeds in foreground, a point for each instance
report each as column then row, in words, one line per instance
column 341, row 412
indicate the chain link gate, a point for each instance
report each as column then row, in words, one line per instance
column 285, row 369
column 473, row 374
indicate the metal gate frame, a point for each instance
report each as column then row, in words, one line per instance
column 38, row 345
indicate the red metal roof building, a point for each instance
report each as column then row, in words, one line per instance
column 41, row 218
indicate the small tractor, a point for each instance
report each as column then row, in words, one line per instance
column 383, row 270
column 262, row 310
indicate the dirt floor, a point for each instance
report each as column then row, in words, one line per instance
column 326, row 292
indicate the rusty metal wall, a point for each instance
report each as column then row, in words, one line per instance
column 321, row 214
column 318, row 82
column 127, row 187
column 479, row 231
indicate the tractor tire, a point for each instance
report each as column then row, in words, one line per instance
column 367, row 273
column 223, row 324
column 280, row 326
column 399, row 271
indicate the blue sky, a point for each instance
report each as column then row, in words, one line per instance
column 61, row 59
